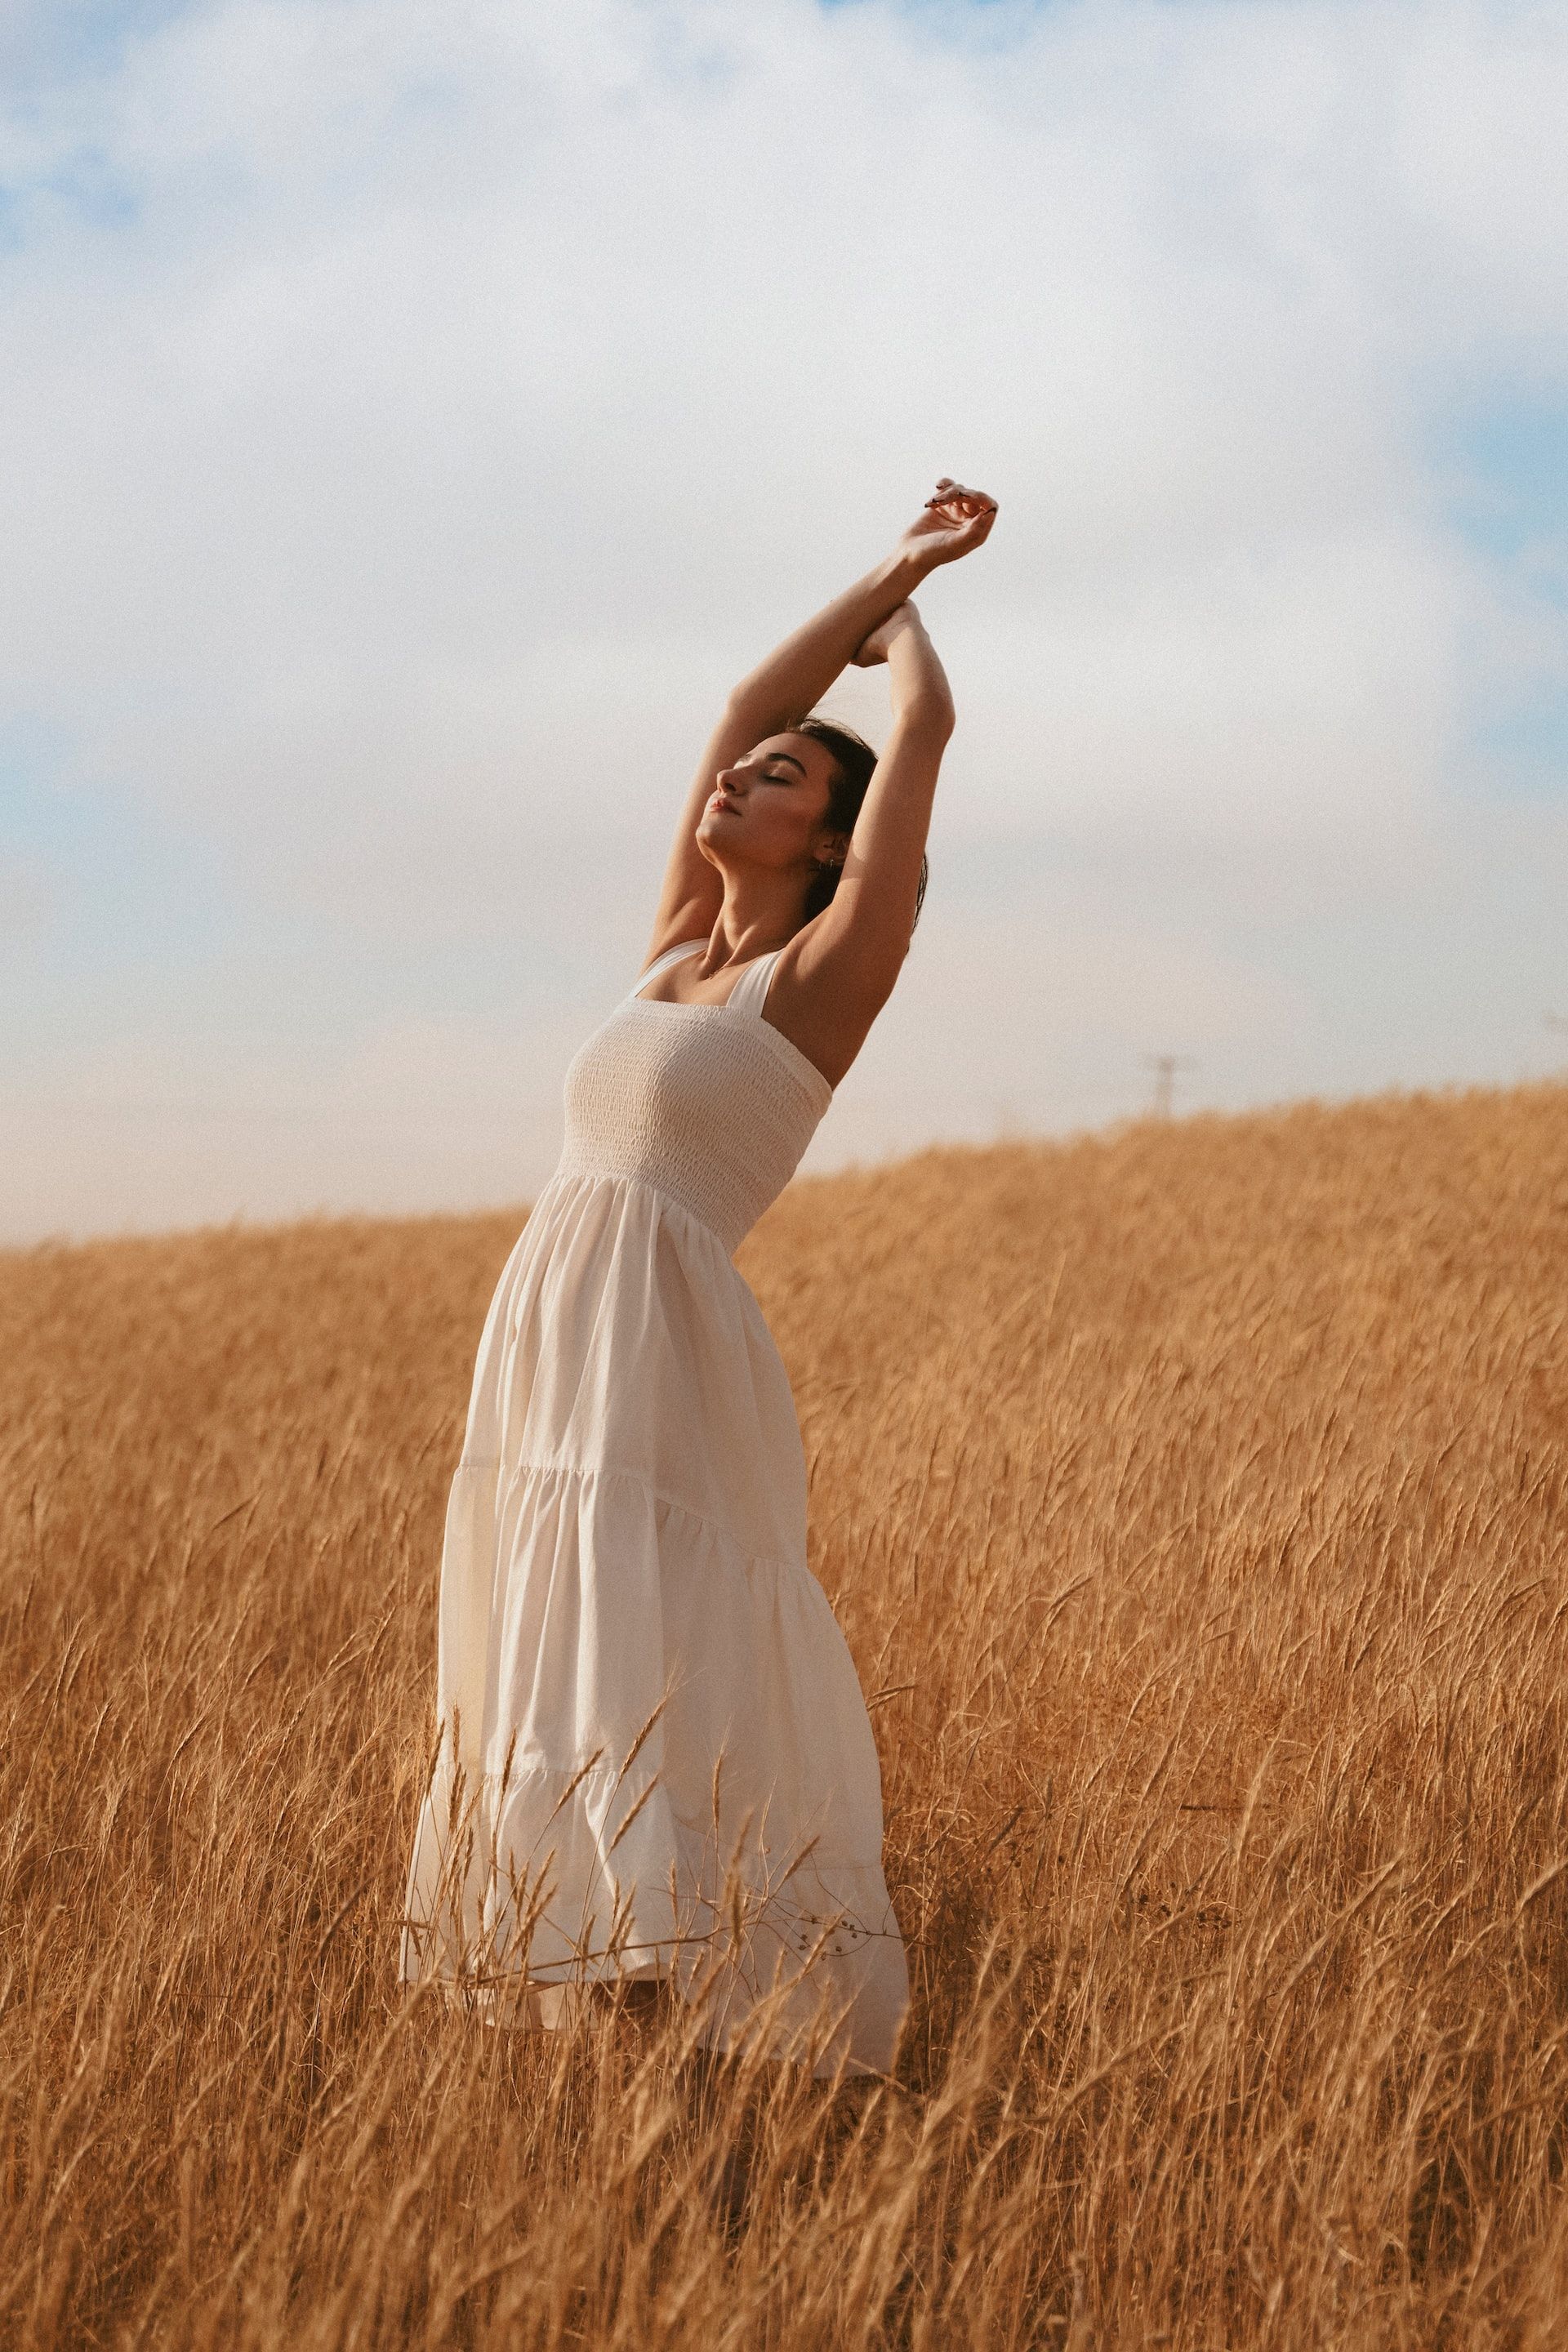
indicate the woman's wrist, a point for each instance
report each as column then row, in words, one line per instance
column 901, row 575
column 920, row 692
column 911, row 656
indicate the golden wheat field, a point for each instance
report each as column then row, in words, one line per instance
column 1193, row 1500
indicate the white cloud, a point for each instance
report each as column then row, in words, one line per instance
column 465, row 392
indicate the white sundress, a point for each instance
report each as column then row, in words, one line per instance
column 656, row 1758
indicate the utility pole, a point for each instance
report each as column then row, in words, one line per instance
column 1165, row 1066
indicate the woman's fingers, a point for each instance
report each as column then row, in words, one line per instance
column 959, row 518
column 953, row 496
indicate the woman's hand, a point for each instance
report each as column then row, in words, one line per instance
column 919, row 684
column 952, row 523
column 878, row 645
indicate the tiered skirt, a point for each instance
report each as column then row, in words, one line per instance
column 656, row 1758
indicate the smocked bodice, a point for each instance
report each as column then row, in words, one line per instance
column 709, row 1104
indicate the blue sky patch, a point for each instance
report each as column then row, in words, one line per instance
column 1511, row 497
column 1508, row 497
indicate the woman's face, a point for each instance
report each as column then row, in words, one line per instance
column 770, row 808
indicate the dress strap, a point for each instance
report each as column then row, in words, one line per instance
column 662, row 963
column 750, row 993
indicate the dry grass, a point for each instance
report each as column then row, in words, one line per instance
column 1192, row 1502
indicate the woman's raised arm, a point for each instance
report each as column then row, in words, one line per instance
column 779, row 691
column 831, row 989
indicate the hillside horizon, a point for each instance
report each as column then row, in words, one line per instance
column 1106, row 1136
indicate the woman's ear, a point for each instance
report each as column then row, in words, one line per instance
column 832, row 849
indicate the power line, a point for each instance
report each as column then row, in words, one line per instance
column 1165, row 1066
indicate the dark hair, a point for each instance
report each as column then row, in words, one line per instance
column 853, row 760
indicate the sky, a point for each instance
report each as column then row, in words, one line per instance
column 417, row 413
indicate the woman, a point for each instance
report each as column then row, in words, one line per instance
column 655, row 1760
